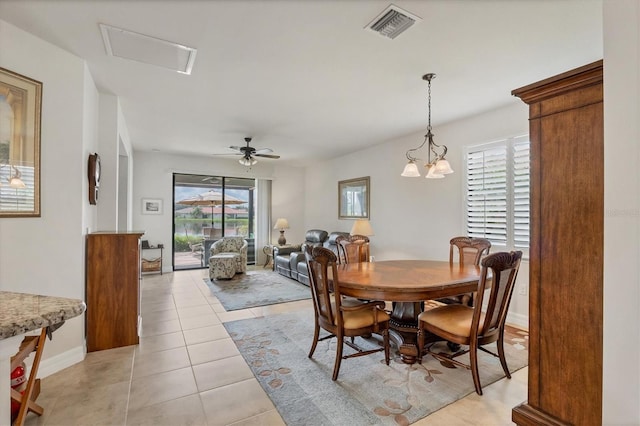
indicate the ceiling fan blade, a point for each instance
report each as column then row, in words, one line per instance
column 237, row 148
column 267, row 155
column 263, row 151
column 230, row 153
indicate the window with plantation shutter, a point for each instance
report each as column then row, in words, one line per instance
column 497, row 195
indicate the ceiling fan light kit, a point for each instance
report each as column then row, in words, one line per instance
column 250, row 153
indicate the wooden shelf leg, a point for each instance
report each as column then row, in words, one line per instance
column 27, row 399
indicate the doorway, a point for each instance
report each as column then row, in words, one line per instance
column 207, row 208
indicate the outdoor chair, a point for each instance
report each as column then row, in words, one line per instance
column 339, row 317
column 470, row 326
column 197, row 249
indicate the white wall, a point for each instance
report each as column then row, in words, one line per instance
column 621, row 349
column 153, row 178
column 415, row 218
column 45, row 255
column 114, row 143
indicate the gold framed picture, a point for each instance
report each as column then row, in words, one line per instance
column 353, row 198
column 20, row 112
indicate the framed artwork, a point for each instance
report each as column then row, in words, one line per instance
column 353, row 198
column 151, row 206
column 20, row 111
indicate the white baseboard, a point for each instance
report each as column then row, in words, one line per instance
column 61, row 361
column 518, row 320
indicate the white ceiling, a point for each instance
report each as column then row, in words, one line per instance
column 304, row 77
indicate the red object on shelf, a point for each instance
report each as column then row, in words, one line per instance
column 18, row 383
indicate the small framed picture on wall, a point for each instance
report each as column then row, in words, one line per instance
column 151, row 206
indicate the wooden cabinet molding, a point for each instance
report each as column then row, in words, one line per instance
column 567, row 249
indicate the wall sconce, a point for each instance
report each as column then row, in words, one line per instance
column 438, row 166
column 281, row 224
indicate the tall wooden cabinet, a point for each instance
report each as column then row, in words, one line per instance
column 567, row 249
column 113, row 289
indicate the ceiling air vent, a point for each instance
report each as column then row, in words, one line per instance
column 392, row 22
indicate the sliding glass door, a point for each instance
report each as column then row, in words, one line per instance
column 207, row 208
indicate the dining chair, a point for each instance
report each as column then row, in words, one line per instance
column 342, row 318
column 471, row 326
column 468, row 250
column 353, row 249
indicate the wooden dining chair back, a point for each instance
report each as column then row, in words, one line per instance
column 471, row 326
column 348, row 252
column 468, row 251
column 340, row 318
column 340, row 251
column 352, row 251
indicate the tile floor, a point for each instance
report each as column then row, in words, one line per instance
column 187, row 371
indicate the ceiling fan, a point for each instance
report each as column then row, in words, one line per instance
column 249, row 153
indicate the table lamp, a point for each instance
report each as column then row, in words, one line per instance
column 362, row 227
column 281, row 224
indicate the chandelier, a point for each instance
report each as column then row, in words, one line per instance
column 438, row 166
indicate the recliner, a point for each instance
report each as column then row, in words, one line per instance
column 291, row 261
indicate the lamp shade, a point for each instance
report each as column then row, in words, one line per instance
column 362, row 227
column 281, row 223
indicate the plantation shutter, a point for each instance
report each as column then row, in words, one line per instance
column 521, row 195
column 487, row 194
column 497, row 196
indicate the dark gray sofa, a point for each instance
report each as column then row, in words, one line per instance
column 291, row 262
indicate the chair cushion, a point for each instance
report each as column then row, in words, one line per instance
column 364, row 318
column 454, row 319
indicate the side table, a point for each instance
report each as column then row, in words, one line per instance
column 268, row 251
column 154, row 264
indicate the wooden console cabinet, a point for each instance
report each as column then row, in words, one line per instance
column 113, row 289
column 567, row 249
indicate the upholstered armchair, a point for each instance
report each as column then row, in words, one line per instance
column 236, row 246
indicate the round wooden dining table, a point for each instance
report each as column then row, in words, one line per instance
column 407, row 283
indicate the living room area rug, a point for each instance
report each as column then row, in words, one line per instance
column 257, row 288
column 367, row 390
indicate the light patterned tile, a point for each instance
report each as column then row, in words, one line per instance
column 158, row 362
column 160, row 342
column 205, row 334
column 195, row 311
column 200, row 321
column 211, row 351
column 229, row 404
column 162, row 387
column 101, row 405
column 160, row 327
column 221, row 372
column 187, row 410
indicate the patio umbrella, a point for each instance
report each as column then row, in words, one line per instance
column 210, row 198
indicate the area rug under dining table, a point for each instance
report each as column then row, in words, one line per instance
column 257, row 288
column 367, row 390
